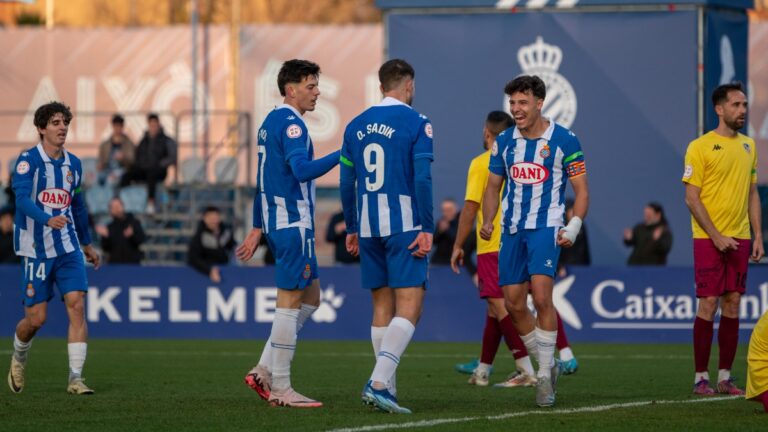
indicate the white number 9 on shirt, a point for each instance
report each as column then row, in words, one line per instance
column 374, row 151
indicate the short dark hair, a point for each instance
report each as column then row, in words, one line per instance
column 118, row 119
column 498, row 121
column 45, row 113
column 153, row 116
column 211, row 209
column 294, row 71
column 392, row 72
column 526, row 84
column 720, row 94
column 655, row 206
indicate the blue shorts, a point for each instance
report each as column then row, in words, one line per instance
column 386, row 261
column 295, row 260
column 40, row 274
column 528, row 252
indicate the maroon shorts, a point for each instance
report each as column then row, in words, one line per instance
column 720, row 272
column 488, row 275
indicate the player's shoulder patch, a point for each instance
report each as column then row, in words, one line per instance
column 293, row 131
column 22, row 167
column 428, row 129
column 495, row 148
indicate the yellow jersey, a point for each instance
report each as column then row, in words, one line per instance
column 477, row 179
column 757, row 359
column 725, row 169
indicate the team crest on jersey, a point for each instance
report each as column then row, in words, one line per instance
column 293, row 131
column 54, row 198
column 30, row 290
column 544, row 60
column 307, row 272
column 428, row 129
column 22, row 168
column 746, row 147
column 70, row 177
column 544, row 153
column 528, row 173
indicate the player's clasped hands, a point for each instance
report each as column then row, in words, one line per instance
column 422, row 244
column 58, row 222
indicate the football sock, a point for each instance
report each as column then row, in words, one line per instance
column 20, row 349
column 530, row 344
column 562, row 338
column 396, row 339
column 491, row 338
column 764, row 399
column 524, row 365
column 512, row 338
column 377, row 334
column 698, row 376
column 305, row 312
column 723, row 375
column 565, row 353
column 546, row 341
column 77, row 352
column 702, row 343
column 728, row 341
column 484, row 367
column 283, row 343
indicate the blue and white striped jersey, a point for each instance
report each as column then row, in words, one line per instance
column 381, row 144
column 285, row 201
column 53, row 186
column 536, row 171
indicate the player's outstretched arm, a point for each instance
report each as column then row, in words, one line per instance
column 305, row 170
column 466, row 220
column 490, row 204
column 567, row 236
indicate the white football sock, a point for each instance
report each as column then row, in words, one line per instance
column 484, row 367
column 20, row 349
column 283, row 345
column 700, row 376
column 377, row 334
column 396, row 339
column 530, row 344
column 723, row 375
column 546, row 341
column 305, row 312
column 77, row 352
column 524, row 365
column 566, row 354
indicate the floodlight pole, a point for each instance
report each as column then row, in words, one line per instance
column 194, row 19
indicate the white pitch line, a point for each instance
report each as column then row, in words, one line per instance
column 597, row 408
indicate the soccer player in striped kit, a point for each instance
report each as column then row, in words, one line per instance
column 51, row 223
column 284, row 210
column 536, row 158
column 387, row 153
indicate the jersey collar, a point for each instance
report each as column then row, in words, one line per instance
column 295, row 111
column 390, row 101
column 547, row 135
column 47, row 159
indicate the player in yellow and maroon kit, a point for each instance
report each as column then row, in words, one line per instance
column 721, row 192
column 757, row 363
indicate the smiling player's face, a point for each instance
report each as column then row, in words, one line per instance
column 55, row 132
column 525, row 109
column 305, row 93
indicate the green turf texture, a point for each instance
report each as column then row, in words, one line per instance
column 172, row 385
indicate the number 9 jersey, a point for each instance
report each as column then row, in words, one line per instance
column 381, row 145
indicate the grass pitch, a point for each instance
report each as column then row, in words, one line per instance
column 147, row 385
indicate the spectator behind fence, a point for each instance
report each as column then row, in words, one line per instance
column 211, row 245
column 122, row 238
column 116, row 154
column 651, row 239
column 155, row 153
column 337, row 235
column 445, row 232
column 578, row 254
column 7, row 251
